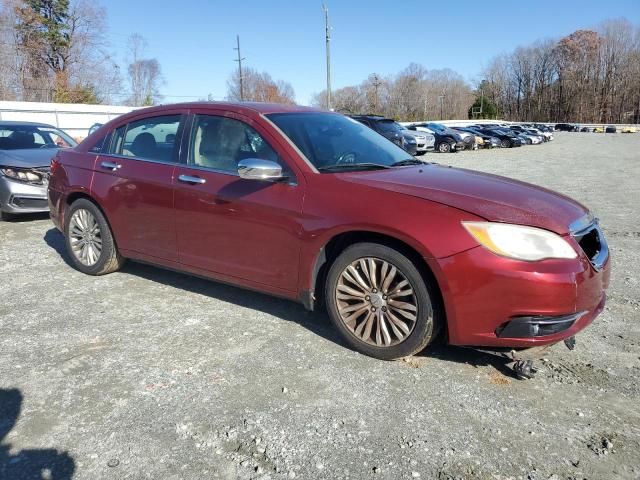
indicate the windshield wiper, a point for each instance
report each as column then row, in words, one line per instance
column 352, row 166
column 408, row 161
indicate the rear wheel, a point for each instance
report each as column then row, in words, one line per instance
column 504, row 143
column 89, row 240
column 379, row 302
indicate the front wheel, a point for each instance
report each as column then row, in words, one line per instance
column 505, row 143
column 379, row 302
column 89, row 240
column 444, row 147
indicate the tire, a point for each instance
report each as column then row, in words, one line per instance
column 82, row 217
column 504, row 143
column 360, row 325
column 444, row 147
column 6, row 217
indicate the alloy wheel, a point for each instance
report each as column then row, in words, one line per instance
column 376, row 302
column 85, row 237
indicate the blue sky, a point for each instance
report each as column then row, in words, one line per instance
column 194, row 39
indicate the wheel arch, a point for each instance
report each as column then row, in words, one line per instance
column 340, row 241
column 77, row 195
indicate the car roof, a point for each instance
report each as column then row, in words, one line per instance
column 258, row 107
column 8, row 123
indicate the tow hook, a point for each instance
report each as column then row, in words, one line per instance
column 570, row 342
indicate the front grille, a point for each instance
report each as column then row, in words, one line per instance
column 26, row 202
column 593, row 244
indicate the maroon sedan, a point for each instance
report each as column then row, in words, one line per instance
column 315, row 207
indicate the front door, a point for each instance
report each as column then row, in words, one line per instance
column 244, row 230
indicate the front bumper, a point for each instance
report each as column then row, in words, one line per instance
column 20, row 197
column 485, row 294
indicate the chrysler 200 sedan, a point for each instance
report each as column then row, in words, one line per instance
column 315, row 207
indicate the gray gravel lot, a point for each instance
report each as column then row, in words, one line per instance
column 152, row 374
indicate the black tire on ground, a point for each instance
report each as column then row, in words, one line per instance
column 444, row 147
column 427, row 324
column 109, row 260
column 6, row 217
column 504, row 143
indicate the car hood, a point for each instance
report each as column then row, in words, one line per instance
column 495, row 198
column 30, row 157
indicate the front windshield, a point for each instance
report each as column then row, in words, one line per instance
column 23, row 137
column 330, row 139
column 389, row 126
column 436, row 127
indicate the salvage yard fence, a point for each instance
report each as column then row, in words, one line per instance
column 74, row 118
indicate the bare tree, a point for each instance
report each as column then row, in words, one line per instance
column 145, row 74
column 259, row 87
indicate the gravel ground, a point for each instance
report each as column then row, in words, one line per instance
column 152, row 374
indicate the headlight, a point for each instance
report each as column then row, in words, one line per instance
column 21, row 175
column 520, row 242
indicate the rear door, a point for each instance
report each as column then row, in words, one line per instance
column 241, row 229
column 134, row 183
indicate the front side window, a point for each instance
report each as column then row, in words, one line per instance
column 150, row 138
column 329, row 139
column 220, row 143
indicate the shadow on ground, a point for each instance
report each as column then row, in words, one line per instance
column 27, row 217
column 29, row 463
column 316, row 322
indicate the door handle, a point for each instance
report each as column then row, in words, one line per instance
column 192, row 180
column 111, row 166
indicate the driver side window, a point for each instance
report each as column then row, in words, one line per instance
column 220, row 143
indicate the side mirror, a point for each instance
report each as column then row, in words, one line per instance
column 259, row 169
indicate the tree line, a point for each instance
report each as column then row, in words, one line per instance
column 589, row 76
column 413, row 94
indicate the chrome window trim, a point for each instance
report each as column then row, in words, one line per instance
column 140, row 159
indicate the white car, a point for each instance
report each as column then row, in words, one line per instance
column 425, row 141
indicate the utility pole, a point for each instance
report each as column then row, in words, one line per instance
column 327, row 29
column 376, row 83
column 441, row 98
column 239, row 60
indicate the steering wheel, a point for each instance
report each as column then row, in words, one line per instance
column 347, row 157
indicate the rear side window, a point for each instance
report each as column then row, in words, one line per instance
column 150, row 138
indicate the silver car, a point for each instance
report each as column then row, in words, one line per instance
column 425, row 141
column 26, row 150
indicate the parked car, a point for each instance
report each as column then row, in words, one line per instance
column 468, row 140
column 545, row 136
column 531, row 137
column 391, row 130
column 586, row 129
column 314, row 207
column 598, row 130
column 444, row 143
column 424, row 141
column 26, row 150
column 487, row 140
column 610, row 129
column 627, row 130
column 508, row 139
column 567, row 127
column 94, row 127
